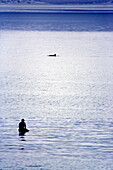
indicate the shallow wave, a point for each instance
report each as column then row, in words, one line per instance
column 57, row 8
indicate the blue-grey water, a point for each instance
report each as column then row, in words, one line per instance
column 67, row 100
column 56, row 22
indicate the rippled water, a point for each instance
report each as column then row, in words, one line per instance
column 65, row 100
column 56, row 22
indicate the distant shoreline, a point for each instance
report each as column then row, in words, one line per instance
column 55, row 12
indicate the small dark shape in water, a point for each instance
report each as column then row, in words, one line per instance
column 52, row 55
column 22, row 128
column 22, row 133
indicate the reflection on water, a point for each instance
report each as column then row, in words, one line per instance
column 22, row 138
column 65, row 100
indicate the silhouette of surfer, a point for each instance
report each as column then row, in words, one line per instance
column 22, row 127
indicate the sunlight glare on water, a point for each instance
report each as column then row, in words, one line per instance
column 66, row 100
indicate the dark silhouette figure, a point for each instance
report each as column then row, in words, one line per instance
column 52, row 55
column 22, row 127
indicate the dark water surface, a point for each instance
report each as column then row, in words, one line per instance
column 56, row 22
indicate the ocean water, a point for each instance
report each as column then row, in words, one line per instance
column 56, row 21
column 66, row 101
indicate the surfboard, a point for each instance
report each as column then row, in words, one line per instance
column 21, row 133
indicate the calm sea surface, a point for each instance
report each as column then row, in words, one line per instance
column 67, row 100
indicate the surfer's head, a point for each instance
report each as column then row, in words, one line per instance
column 22, row 120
